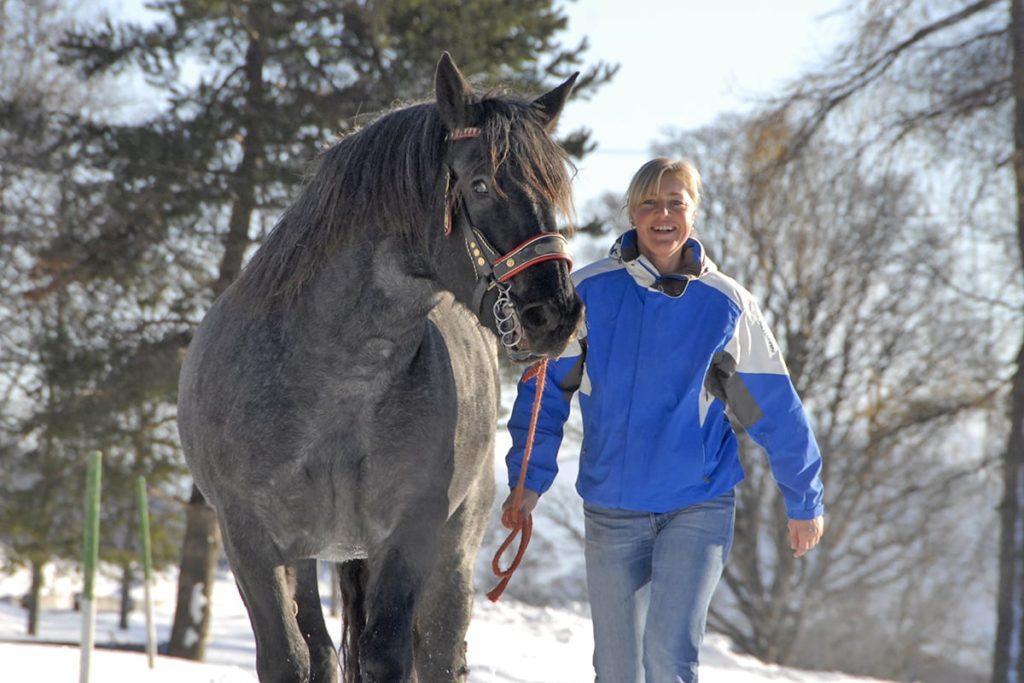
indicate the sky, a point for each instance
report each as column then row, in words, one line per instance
column 683, row 62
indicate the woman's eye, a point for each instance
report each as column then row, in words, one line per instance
column 480, row 187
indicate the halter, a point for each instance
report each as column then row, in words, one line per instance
column 494, row 269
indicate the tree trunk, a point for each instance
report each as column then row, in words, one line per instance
column 1008, row 657
column 202, row 536
column 190, row 632
column 246, row 176
column 35, row 592
column 1007, row 660
column 126, row 595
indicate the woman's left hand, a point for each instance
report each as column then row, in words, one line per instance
column 804, row 534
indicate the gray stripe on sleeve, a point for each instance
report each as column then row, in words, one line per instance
column 572, row 380
column 723, row 382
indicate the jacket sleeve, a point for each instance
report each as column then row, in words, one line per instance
column 751, row 375
column 563, row 379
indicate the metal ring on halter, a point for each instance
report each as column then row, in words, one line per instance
column 510, row 330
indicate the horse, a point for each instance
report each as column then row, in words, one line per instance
column 339, row 400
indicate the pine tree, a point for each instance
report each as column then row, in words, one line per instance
column 66, row 376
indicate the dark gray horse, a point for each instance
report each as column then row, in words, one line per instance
column 339, row 400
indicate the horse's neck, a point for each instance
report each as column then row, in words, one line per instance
column 372, row 294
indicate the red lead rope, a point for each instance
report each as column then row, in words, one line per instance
column 523, row 524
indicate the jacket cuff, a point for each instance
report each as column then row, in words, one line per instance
column 803, row 515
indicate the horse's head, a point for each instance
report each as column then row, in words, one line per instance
column 507, row 182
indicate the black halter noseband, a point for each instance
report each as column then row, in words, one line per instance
column 494, row 269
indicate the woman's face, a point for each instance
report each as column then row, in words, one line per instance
column 664, row 222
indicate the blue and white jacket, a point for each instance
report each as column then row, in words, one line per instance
column 656, row 362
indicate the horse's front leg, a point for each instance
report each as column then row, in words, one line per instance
column 397, row 573
column 403, row 498
column 267, row 584
column 447, row 604
column 323, row 657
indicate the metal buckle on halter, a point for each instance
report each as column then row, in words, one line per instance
column 463, row 133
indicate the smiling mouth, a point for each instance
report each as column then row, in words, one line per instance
column 663, row 228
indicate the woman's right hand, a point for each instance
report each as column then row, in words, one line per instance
column 510, row 517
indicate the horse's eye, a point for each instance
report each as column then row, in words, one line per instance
column 480, row 187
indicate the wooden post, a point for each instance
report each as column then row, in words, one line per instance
column 91, row 552
column 147, row 569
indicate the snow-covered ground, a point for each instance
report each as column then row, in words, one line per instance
column 508, row 642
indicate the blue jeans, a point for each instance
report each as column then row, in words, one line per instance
column 650, row 578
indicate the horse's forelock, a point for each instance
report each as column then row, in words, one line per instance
column 512, row 131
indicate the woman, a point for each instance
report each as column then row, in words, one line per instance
column 671, row 355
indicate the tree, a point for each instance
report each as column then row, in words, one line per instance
column 197, row 182
column 41, row 374
column 944, row 81
column 848, row 271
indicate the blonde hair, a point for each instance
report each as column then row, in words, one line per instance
column 647, row 180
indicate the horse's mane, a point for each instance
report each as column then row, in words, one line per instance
column 387, row 179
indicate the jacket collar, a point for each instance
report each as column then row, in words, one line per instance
column 626, row 250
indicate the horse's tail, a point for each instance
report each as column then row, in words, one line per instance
column 352, row 577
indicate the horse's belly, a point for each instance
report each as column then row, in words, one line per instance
column 341, row 552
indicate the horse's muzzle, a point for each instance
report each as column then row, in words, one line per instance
column 548, row 326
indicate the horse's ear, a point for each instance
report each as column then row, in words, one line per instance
column 451, row 92
column 550, row 104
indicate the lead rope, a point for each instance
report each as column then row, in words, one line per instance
column 523, row 524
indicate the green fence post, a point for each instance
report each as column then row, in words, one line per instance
column 147, row 568
column 91, row 552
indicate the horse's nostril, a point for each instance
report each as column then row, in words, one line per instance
column 536, row 316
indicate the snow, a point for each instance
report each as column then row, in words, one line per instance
column 508, row 642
